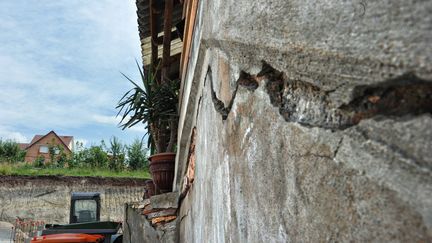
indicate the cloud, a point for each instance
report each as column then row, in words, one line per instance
column 60, row 64
column 6, row 134
column 113, row 120
column 106, row 119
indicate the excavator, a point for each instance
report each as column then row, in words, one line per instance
column 84, row 224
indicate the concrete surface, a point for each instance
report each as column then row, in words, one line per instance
column 334, row 142
column 138, row 227
column 165, row 200
column 5, row 232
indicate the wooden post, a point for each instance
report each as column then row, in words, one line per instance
column 167, row 38
column 153, row 36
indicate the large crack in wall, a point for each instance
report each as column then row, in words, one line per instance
column 401, row 96
column 307, row 104
column 246, row 80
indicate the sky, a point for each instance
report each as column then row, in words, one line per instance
column 60, row 64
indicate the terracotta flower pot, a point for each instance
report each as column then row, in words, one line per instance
column 162, row 169
column 149, row 189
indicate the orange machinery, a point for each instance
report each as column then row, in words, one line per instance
column 68, row 238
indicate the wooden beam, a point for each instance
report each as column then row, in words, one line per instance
column 169, row 4
column 153, row 34
column 187, row 38
column 186, row 9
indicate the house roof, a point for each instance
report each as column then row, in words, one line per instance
column 36, row 138
column 64, row 139
column 23, row 145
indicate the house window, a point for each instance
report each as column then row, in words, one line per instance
column 43, row 149
column 56, row 150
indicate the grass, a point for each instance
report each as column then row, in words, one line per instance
column 25, row 169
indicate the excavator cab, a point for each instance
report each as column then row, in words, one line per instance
column 84, row 223
column 85, row 207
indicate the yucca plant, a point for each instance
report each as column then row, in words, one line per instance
column 156, row 106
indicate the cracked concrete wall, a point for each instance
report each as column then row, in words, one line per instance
column 313, row 122
column 152, row 220
column 48, row 198
column 137, row 228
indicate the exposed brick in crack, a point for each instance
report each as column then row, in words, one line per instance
column 189, row 178
column 309, row 105
column 248, row 81
column 275, row 85
column 403, row 95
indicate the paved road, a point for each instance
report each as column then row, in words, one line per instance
column 5, row 232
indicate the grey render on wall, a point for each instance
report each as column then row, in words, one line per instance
column 325, row 128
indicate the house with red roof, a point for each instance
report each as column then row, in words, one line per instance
column 39, row 146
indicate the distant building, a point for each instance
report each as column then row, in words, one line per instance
column 39, row 146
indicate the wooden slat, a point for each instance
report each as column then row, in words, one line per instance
column 174, row 35
column 176, row 47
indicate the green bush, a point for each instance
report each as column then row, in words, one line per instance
column 10, row 151
column 137, row 155
column 40, row 161
column 62, row 160
column 94, row 157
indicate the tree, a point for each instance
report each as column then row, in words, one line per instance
column 77, row 156
column 117, row 152
column 137, row 155
column 96, row 157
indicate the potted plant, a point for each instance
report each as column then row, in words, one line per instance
column 154, row 104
